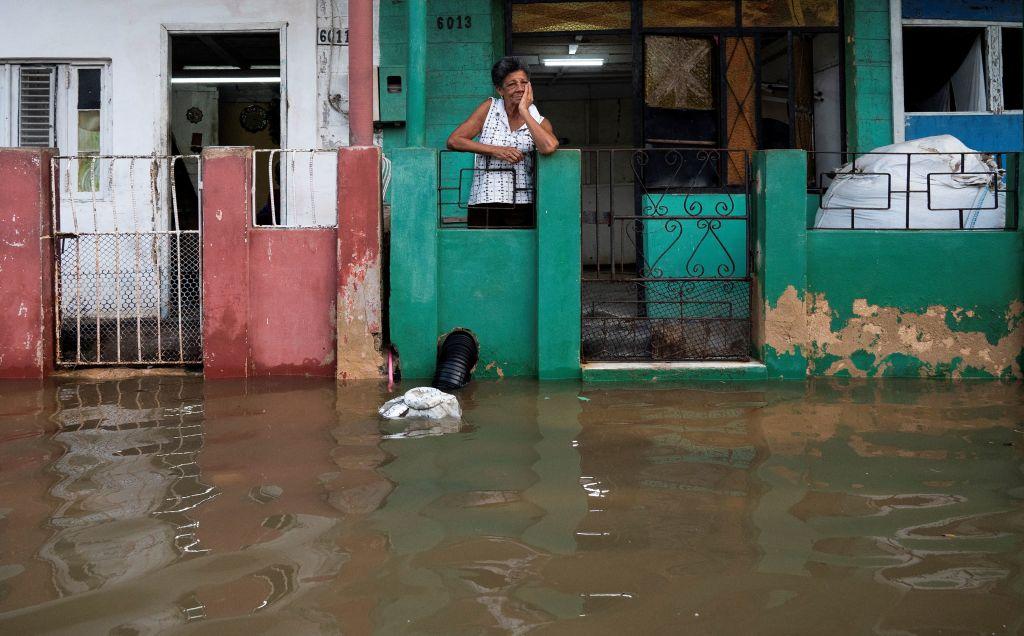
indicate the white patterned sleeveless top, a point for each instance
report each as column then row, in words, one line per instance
column 501, row 187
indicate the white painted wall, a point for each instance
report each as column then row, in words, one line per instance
column 132, row 37
column 132, row 34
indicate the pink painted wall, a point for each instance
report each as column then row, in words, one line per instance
column 292, row 287
column 268, row 293
column 227, row 176
column 359, row 264
column 26, row 264
column 270, row 296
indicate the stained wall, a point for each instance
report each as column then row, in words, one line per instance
column 881, row 303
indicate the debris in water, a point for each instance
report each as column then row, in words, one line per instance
column 265, row 493
column 423, row 402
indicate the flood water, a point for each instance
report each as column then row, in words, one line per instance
column 169, row 505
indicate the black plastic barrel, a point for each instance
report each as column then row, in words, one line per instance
column 455, row 360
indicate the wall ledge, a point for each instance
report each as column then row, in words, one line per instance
column 672, row 371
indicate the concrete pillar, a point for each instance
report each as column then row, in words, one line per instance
column 558, row 266
column 414, row 275
column 416, row 76
column 227, row 216
column 26, row 264
column 780, row 261
column 360, row 72
column 359, row 264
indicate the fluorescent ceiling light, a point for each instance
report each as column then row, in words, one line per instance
column 265, row 67
column 573, row 61
column 225, row 80
column 209, row 68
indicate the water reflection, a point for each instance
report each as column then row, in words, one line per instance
column 125, row 481
column 166, row 504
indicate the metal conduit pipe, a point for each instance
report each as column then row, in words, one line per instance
column 360, row 72
column 455, row 360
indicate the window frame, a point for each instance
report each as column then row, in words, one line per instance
column 65, row 109
column 67, row 114
column 638, row 33
column 993, row 38
column 6, row 104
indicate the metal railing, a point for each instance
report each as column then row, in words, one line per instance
column 458, row 171
column 912, row 191
column 666, row 266
column 295, row 188
column 127, row 247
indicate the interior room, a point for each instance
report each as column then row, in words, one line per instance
column 225, row 91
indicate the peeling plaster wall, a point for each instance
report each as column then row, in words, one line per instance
column 901, row 304
column 881, row 303
column 359, row 320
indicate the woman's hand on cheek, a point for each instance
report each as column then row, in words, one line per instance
column 527, row 100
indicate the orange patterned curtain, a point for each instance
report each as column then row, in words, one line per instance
column 740, row 105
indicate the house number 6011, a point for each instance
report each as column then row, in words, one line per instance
column 335, row 37
column 452, row 22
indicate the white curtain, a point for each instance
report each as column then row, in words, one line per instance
column 968, row 82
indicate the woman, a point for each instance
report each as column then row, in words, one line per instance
column 510, row 129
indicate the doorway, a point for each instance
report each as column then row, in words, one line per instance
column 666, row 258
column 226, row 90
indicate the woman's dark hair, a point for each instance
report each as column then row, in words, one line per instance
column 503, row 67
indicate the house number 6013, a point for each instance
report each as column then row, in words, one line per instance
column 452, row 22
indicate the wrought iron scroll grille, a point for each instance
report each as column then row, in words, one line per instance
column 127, row 246
column 666, row 262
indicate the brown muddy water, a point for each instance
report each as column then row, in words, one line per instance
column 166, row 505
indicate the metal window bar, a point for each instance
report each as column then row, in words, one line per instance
column 666, row 255
column 123, row 275
column 296, row 194
column 850, row 170
column 456, row 171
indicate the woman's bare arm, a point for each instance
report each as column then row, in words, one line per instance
column 461, row 138
column 543, row 132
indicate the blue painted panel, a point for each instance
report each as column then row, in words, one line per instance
column 983, row 10
column 980, row 132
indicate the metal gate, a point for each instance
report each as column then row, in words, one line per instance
column 666, row 255
column 128, row 253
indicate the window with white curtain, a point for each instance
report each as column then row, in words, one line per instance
column 962, row 68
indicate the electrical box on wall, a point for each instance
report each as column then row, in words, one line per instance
column 391, row 94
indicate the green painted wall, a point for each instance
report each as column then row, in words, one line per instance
column 559, row 266
column 518, row 291
column 487, row 283
column 881, row 303
column 458, row 60
column 413, row 294
column 780, row 254
column 945, row 285
column 868, row 75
